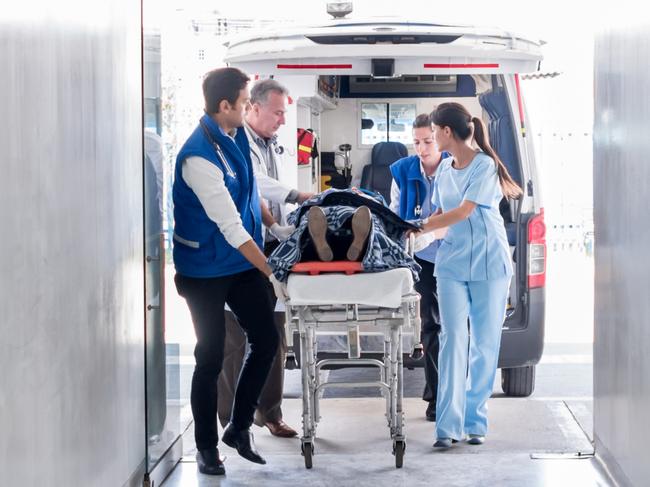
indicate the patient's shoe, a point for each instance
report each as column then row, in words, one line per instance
column 317, row 227
column 361, row 221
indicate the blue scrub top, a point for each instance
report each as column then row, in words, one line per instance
column 475, row 249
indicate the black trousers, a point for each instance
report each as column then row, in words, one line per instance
column 270, row 400
column 247, row 296
column 427, row 288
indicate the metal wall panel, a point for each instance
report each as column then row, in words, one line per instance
column 71, row 247
column 622, row 225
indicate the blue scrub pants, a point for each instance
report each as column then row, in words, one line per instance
column 466, row 379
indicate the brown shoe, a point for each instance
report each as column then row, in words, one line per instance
column 281, row 429
column 360, row 230
column 317, row 226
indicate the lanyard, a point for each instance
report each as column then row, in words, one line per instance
column 218, row 150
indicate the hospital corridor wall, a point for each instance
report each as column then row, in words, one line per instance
column 622, row 286
column 72, row 392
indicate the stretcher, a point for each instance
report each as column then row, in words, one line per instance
column 342, row 302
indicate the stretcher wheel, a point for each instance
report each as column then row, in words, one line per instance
column 308, row 453
column 398, row 450
column 418, row 352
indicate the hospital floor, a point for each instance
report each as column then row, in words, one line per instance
column 544, row 440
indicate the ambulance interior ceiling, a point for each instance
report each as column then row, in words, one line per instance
column 342, row 125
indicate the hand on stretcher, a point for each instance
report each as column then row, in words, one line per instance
column 279, row 288
column 421, row 240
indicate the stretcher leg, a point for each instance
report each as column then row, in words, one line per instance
column 306, row 389
column 311, row 334
column 399, row 415
column 399, row 442
column 386, row 378
column 393, row 381
column 416, row 322
column 308, row 359
column 290, row 361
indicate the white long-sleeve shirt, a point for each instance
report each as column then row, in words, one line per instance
column 206, row 180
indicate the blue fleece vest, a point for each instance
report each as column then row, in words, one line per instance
column 200, row 249
column 408, row 175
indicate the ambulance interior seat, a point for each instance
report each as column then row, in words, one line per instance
column 502, row 139
column 329, row 174
column 376, row 176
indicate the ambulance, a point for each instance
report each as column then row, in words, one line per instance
column 357, row 85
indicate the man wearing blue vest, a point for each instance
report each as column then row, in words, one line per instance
column 217, row 254
column 411, row 192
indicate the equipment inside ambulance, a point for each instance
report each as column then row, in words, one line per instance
column 362, row 83
column 306, row 146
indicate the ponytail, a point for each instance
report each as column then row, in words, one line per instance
column 460, row 121
column 508, row 185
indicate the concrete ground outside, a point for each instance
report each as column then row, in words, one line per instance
column 544, row 440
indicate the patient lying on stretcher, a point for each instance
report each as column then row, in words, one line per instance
column 345, row 225
column 348, row 242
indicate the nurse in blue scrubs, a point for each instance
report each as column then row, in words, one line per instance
column 473, row 271
column 410, row 197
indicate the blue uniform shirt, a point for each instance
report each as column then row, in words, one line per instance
column 474, row 249
column 415, row 188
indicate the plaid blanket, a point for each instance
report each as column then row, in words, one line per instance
column 386, row 241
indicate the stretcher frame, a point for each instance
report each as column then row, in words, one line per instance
column 308, row 320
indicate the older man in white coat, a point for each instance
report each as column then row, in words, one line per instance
column 263, row 119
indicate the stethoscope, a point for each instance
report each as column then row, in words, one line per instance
column 218, row 150
column 277, row 148
column 418, row 207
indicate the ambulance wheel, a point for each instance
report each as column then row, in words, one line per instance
column 398, row 450
column 518, row 381
column 308, row 452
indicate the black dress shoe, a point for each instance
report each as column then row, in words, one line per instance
column 431, row 411
column 209, row 462
column 242, row 441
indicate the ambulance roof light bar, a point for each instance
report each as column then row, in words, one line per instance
column 339, row 9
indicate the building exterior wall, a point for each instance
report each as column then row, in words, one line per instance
column 622, row 227
column 71, row 253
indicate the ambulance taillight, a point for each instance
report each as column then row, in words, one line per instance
column 537, row 251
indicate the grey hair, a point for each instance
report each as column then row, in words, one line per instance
column 261, row 89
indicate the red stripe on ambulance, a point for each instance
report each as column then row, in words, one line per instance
column 314, row 66
column 491, row 65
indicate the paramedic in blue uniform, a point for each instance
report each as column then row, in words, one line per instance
column 410, row 197
column 473, row 270
column 264, row 118
column 218, row 258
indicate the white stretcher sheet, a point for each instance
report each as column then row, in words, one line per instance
column 383, row 289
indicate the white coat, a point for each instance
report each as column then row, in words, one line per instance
column 270, row 189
